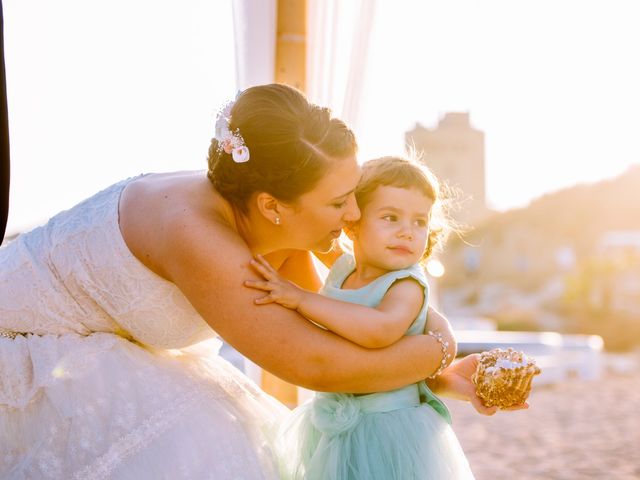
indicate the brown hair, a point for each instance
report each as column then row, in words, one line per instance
column 407, row 173
column 291, row 142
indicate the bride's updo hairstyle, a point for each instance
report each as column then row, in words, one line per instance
column 291, row 143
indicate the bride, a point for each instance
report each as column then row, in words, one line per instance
column 109, row 312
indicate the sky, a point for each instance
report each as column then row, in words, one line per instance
column 555, row 85
column 99, row 91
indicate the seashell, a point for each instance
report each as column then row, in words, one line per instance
column 503, row 377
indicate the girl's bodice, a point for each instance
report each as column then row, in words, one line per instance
column 371, row 295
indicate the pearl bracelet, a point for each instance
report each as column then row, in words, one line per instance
column 445, row 355
column 8, row 333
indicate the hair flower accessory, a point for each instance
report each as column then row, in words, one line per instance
column 240, row 154
column 230, row 142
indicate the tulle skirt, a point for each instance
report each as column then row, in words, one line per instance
column 100, row 406
column 382, row 436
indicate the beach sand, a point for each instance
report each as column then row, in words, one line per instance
column 574, row 430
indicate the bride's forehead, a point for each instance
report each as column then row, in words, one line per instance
column 341, row 178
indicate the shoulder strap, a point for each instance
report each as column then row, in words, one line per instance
column 340, row 269
column 415, row 272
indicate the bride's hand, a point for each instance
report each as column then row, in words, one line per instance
column 455, row 382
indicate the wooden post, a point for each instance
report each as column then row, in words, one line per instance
column 290, row 68
column 291, row 31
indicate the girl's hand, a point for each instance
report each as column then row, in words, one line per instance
column 281, row 291
column 455, row 382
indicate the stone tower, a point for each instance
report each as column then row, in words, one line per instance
column 454, row 151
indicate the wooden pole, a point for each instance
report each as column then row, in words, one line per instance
column 291, row 32
column 290, row 68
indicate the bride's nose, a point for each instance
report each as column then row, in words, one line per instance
column 352, row 212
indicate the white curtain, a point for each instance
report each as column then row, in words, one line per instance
column 338, row 33
column 254, row 23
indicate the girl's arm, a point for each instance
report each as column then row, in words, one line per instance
column 367, row 326
column 209, row 264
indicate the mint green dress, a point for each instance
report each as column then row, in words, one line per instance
column 404, row 434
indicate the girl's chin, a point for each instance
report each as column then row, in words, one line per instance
column 399, row 264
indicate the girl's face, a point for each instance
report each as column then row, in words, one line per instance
column 318, row 216
column 394, row 229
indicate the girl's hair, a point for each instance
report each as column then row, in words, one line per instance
column 408, row 173
column 291, row 142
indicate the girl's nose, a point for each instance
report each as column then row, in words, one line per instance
column 405, row 231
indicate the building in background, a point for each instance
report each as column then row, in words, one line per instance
column 454, row 151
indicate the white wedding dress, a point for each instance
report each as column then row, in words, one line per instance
column 117, row 376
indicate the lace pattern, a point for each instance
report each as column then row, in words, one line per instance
column 93, row 390
column 136, row 440
column 128, row 412
column 81, row 278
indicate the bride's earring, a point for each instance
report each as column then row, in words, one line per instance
column 277, row 222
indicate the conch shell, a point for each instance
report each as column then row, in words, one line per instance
column 503, row 377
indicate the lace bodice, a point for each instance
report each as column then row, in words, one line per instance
column 76, row 274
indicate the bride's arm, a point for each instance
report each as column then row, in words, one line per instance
column 209, row 265
column 455, row 380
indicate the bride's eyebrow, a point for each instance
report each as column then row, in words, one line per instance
column 343, row 195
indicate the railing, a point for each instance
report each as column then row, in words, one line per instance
column 560, row 356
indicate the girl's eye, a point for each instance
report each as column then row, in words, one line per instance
column 421, row 223
column 389, row 218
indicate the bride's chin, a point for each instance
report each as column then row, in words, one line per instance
column 324, row 247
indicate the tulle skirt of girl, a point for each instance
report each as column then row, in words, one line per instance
column 382, row 436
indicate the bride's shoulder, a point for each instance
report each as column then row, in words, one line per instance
column 168, row 217
column 200, row 218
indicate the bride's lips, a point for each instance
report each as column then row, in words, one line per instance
column 336, row 233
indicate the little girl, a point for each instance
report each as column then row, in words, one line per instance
column 373, row 298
